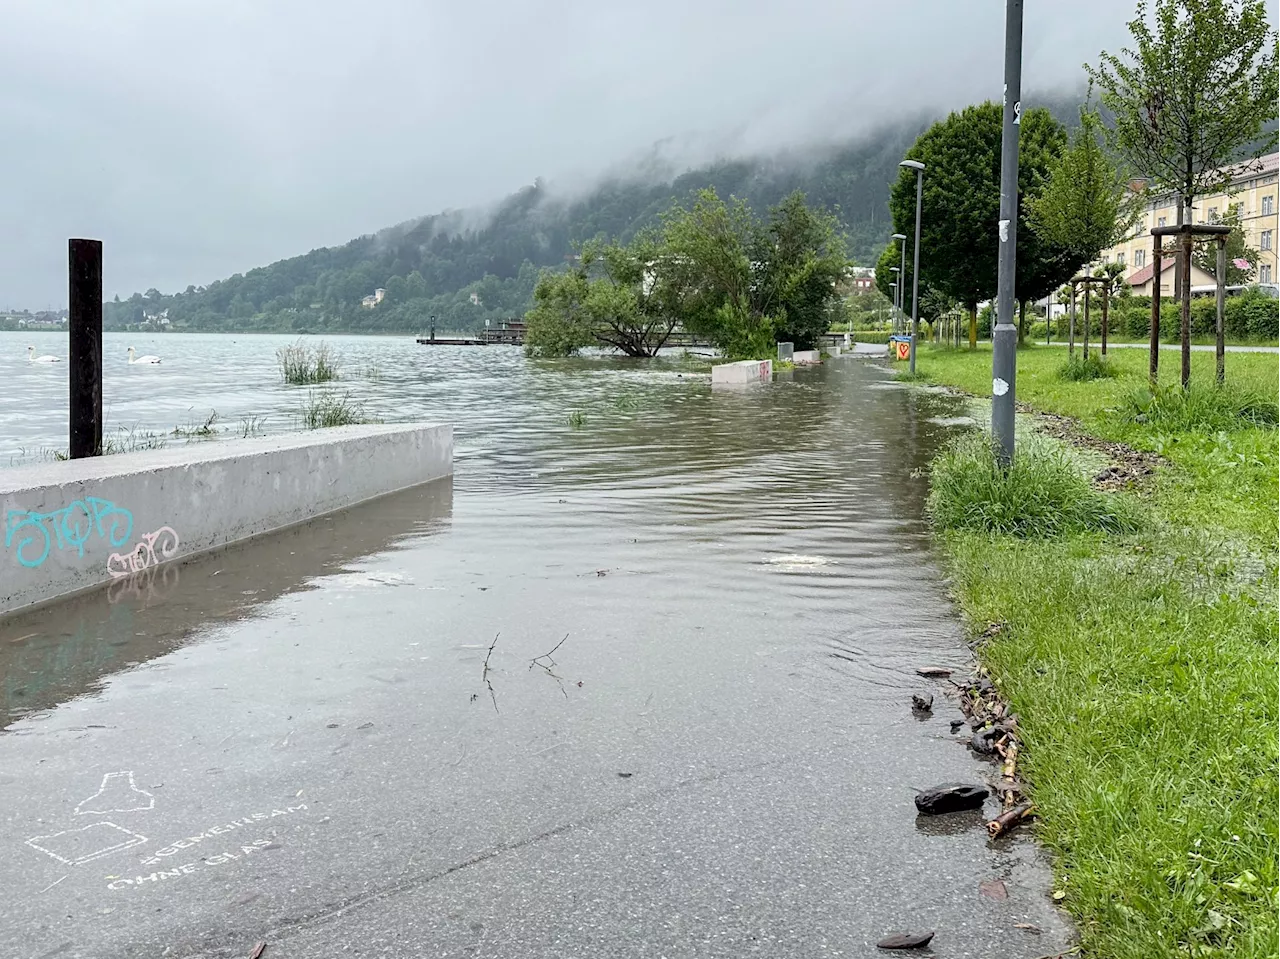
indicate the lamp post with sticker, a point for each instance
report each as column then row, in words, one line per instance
column 1004, row 338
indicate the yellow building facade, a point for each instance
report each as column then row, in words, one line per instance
column 1254, row 188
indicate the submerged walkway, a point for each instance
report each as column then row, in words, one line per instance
column 639, row 689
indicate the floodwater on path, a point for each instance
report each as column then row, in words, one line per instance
column 634, row 687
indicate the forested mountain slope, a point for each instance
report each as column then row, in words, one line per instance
column 463, row 268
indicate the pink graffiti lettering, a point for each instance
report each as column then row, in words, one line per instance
column 152, row 549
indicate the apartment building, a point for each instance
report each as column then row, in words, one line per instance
column 1253, row 187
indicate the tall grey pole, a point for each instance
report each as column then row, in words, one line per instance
column 902, row 284
column 1004, row 338
column 915, row 262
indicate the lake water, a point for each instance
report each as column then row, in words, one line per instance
column 717, row 757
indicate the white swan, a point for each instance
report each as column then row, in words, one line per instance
column 142, row 359
column 32, row 358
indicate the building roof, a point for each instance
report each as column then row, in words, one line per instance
column 1166, row 264
column 1144, row 275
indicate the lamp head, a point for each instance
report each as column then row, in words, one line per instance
column 912, row 164
column 895, row 269
column 899, row 236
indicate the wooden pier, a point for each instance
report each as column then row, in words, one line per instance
column 510, row 333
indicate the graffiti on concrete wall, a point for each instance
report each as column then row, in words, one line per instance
column 153, row 549
column 32, row 536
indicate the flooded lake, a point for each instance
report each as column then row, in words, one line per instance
column 636, row 682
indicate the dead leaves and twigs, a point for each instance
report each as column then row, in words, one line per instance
column 1128, row 467
column 484, row 673
column 996, row 731
column 547, row 665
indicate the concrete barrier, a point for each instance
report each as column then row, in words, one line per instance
column 77, row 524
column 745, row 371
column 808, row 357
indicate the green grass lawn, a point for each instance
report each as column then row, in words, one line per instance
column 1144, row 667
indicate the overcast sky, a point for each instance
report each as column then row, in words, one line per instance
column 199, row 138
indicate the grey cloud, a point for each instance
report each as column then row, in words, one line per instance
column 204, row 138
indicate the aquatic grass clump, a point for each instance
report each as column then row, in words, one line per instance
column 1041, row 495
column 577, row 419
column 201, row 431
column 329, row 409
column 303, row 365
column 128, row 439
column 1204, row 408
column 1092, row 367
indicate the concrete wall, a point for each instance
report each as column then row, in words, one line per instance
column 807, row 357
column 76, row 524
column 744, row 371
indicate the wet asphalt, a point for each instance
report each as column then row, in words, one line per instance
column 637, row 689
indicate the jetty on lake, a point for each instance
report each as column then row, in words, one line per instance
column 510, row 333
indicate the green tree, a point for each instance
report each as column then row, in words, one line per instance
column 803, row 259
column 614, row 296
column 1191, row 100
column 1206, row 254
column 709, row 273
column 558, row 324
column 961, row 207
column 1086, row 204
column 743, row 283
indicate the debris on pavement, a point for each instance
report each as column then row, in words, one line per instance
column 951, row 797
column 1010, row 818
column 933, row 672
column 258, row 950
column 993, row 889
column 906, row 940
column 922, row 702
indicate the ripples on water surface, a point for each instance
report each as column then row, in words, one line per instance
column 717, row 759
column 798, row 494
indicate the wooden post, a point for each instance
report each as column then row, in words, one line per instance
column 1071, row 325
column 1088, row 291
column 1220, row 348
column 1153, row 363
column 1106, row 302
column 1184, row 294
column 84, row 263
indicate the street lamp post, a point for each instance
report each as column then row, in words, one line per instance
column 897, row 297
column 902, row 270
column 893, row 296
column 1004, row 338
column 915, row 257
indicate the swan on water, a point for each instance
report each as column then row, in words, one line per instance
column 32, row 358
column 142, row 359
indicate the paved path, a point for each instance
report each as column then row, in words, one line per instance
column 639, row 689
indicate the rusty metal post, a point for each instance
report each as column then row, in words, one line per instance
column 84, row 268
column 1153, row 363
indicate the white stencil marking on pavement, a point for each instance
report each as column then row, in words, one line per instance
column 118, row 793
column 75, row 847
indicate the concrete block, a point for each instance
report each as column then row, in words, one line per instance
column 76, row 524
column 786, row 351
column 808, row 357
column 745, row 371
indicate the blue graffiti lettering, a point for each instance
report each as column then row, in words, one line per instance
column 72, row 527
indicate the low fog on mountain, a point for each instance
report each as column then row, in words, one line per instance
column 198, row 140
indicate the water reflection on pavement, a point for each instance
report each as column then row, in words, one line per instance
column 639, row 687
